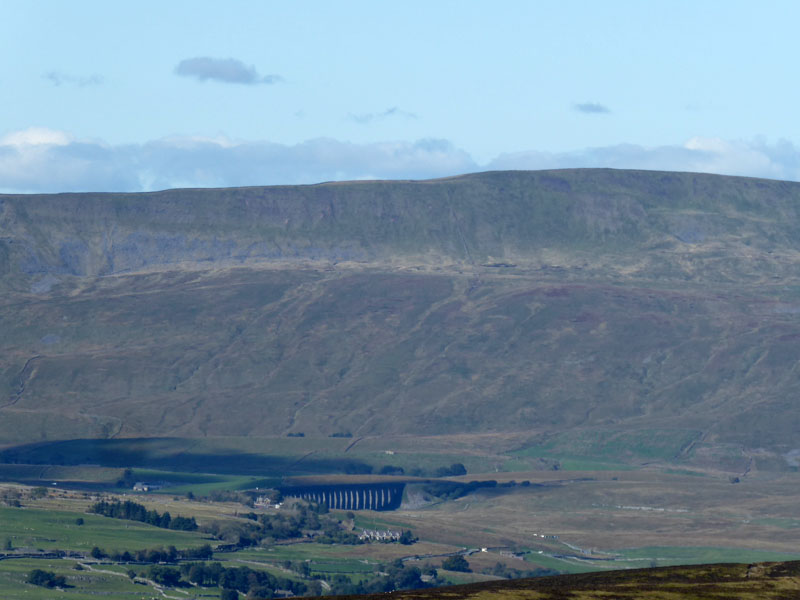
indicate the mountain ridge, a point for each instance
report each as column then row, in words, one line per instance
column 575, row 304
column 543, row 209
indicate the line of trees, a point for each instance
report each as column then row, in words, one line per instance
column 256, row 584
column 154, row 555
column 134, row 511
column 260, row 584
column 501, row 570
column 450, row 490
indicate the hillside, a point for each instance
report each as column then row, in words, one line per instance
column 777, row 581
column 583, row 308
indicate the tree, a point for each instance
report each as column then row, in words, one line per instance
column 408, row 579
column 391, row 470
column 127, row 479
column 165, row 575
column 453, row 470
column 197, row 574
column 229, row 595
column 39, row 577
column 456, row 563
column 407, row 538
column 46, row 578
column 39, row 492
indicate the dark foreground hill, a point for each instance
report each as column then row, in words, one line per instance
column 766, row 581
column 578, row 303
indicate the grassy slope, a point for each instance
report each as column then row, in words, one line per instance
column 655, row 302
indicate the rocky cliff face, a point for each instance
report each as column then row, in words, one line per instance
column 646, row 220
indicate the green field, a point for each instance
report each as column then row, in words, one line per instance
column 668, row 556
column 37, row 529
column 82, row 585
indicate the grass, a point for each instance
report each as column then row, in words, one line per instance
column 560, row 565
column 33, row 528
column 606, row 447
column 319, row 561
column 83, row 585
column 460, row 578
column 638, row 558
column 782, row 523
column 585, row 464
column 668, row 556
column 599, row 513
column 347, row 567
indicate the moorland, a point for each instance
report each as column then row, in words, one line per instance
column 615, row 350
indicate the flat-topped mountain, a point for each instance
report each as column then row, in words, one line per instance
column 635, row 223
column 581, row 306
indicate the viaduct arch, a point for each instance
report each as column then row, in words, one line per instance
column 365, row 496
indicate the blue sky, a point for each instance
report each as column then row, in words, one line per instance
column 130, row 96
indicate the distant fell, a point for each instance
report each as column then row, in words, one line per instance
column 640, row 224
column 633, row 315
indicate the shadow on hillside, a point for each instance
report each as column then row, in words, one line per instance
column 172, row 454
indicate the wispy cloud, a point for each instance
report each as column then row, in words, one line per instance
column 58, row 78
column 755, row 158
column 591, row 108
column 225, row 70
column 394, row 111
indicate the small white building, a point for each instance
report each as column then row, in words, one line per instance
column 376, row 535
column 143, row 486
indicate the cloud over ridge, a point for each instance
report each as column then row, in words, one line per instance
column 39, row 160
column 225, row 70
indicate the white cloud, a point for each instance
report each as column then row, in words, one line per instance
column 45, row 160
column 756, row 158
column 35, row 136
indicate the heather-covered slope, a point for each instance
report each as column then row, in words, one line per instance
column 569, row 304
column 764, row 581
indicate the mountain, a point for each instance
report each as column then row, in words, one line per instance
column 631, row 313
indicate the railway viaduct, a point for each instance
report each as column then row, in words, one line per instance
column 363, row 496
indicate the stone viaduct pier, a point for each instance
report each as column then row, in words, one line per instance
column 356, row 496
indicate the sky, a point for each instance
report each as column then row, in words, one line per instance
column 139, row 96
